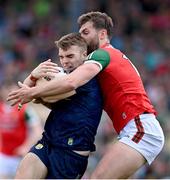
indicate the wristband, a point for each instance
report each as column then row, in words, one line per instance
column 33, row 78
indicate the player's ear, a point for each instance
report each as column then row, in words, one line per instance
column 102, row 34
column 85, row 53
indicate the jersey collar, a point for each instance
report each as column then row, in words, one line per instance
column 105, row 45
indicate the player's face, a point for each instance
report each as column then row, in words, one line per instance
column 91, row 35
column 71, row 58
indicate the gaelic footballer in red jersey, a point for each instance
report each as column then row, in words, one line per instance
column 140, row 136
column 120, row 82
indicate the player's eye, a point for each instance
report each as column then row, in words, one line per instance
column 70, row 56
column 60, row 57
column 85, row 32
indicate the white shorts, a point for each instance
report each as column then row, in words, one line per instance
column 8, row 165
column 144, row 134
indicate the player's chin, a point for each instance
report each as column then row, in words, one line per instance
column 69, row 69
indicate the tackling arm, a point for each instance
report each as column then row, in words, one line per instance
column 30, row 81
column 72, row 81
column 96, row 61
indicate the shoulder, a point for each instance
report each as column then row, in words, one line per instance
column 99, row 56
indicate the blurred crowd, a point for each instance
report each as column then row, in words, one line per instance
column 28, row 30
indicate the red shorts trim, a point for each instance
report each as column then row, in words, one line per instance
column 140, row 130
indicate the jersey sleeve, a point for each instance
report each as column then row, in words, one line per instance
column 99, row 57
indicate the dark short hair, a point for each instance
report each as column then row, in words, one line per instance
column 72, row 39
column 99, row 20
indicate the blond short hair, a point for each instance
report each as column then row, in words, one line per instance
column 72, row 39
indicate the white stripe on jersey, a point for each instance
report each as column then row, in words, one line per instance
column 95, row 62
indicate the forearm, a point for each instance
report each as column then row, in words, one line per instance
column 29, row 81
column 64, row 84
column 61, row 85
column 54, row 87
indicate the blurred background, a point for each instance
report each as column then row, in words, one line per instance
column 29, row 28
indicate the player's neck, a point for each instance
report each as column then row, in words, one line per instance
column 103, row 42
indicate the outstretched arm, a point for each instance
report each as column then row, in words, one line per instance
column 72, row 81
column 97, row 61
column 62, row 85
